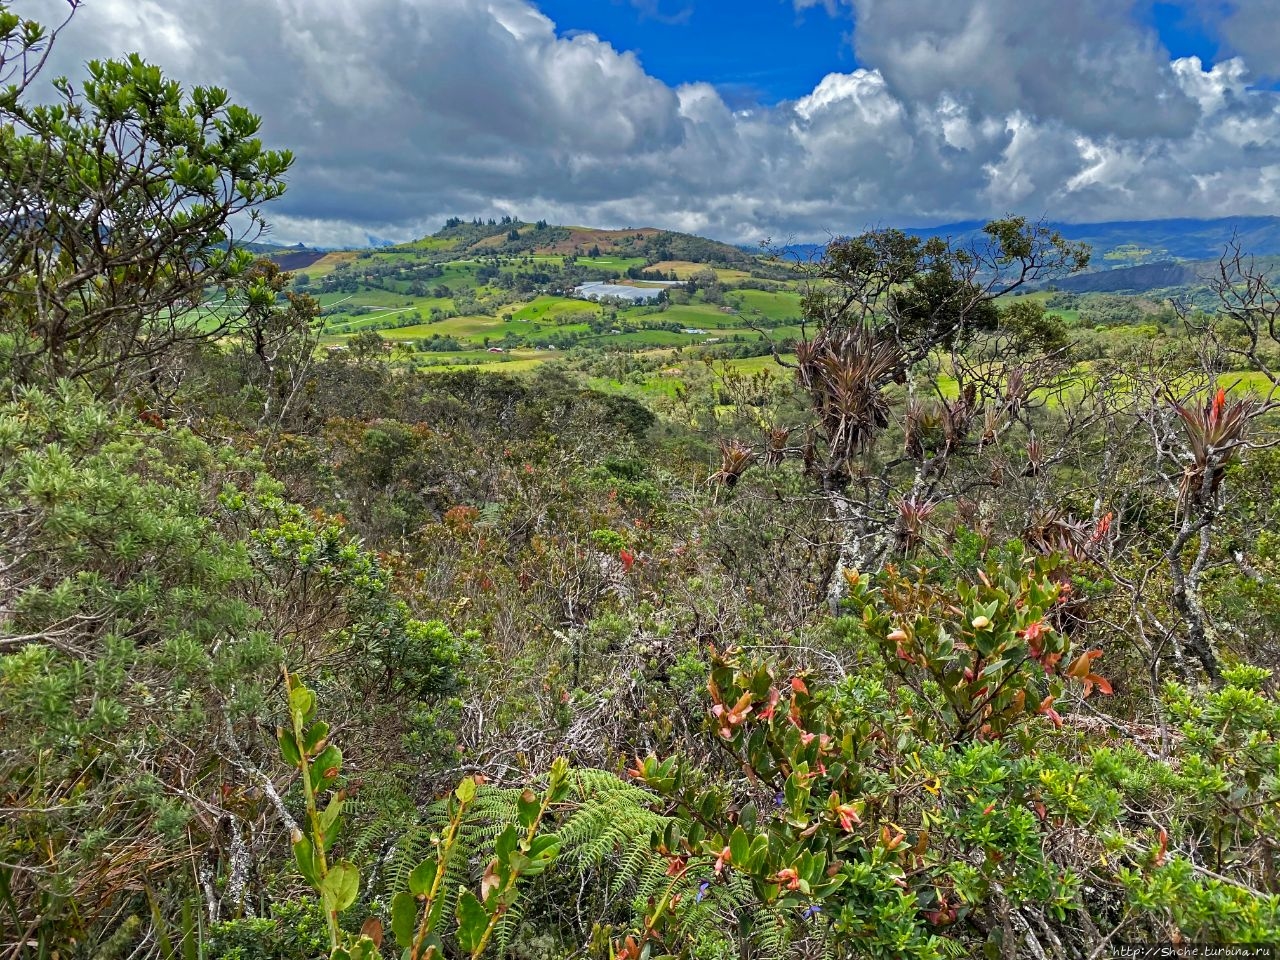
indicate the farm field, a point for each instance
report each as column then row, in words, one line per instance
column 544, row 308
column 770, row 305
column 684, row 269
column 620, row 264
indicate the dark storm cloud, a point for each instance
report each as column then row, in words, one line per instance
column 403, row 112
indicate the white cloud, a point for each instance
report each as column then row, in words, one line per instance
column 403, row 112
column 1087, row 63
column 1212, row 88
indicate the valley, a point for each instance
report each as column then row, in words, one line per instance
column 510, row 296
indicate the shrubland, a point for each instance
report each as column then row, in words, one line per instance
column 940, row 634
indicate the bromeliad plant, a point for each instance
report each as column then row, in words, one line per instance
column 418, row 913
column 1215, row 434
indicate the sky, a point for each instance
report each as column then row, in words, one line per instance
column 793, row 120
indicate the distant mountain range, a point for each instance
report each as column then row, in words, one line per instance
column 1131, row 243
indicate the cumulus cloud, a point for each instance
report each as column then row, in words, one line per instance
column 403, row 112
column 1249, row 28
column 1088, row 64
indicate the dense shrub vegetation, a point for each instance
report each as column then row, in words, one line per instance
column 944, row 635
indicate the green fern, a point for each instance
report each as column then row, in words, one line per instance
column 609, row 831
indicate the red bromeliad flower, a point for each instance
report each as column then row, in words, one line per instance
column 628, row 559
column 1101, row 530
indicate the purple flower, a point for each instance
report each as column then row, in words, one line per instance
column 812, row 911
column 703, row 887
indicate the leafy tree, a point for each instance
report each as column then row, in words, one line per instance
column 890, row 310
column 277, row 339
column 128, row 202
column 366, row 345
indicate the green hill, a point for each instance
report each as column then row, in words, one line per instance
column 509, row 237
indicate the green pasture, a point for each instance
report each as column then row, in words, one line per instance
column 541, row 308
column 1070, row 317
column 700, row 315
column 621, row 264
column 771, row 306
column 514, row 362
column 368, row 297
column 326, row 264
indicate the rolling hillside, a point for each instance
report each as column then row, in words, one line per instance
column 508, row 237
column 503, row 292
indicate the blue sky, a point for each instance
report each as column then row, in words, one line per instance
column 763, row 50
column 1183, row 31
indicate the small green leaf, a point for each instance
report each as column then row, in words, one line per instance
column 289, row 748
column 304, row 854
column 994, row 668
column 404, row 917
column 340, row 886
column 327, row 766
column 319, row 730
column 739, row 848
column 528, row 804
column 544, row 847
column 422, row 877
column 329, row 816
column 466, row 791
column 473, row 920
column 302, row 701
column 506, row 843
